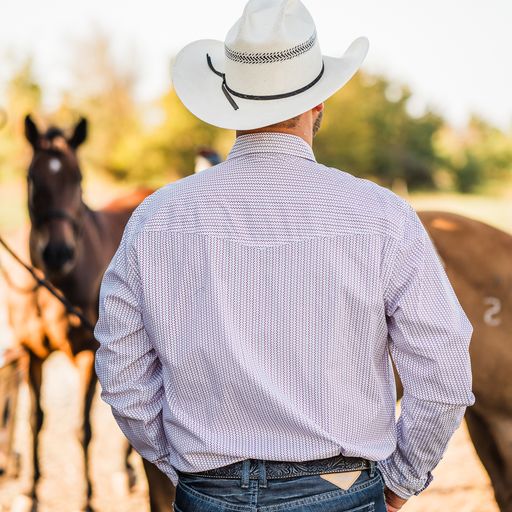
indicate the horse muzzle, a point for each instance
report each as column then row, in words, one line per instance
column 59, row 258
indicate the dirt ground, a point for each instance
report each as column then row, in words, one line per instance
column 460, row 484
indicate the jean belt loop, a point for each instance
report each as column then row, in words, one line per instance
column 262, row 474
column 372, row 468
column 246, row 469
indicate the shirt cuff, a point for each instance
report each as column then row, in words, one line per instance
column 430, row 477
column 398, row 488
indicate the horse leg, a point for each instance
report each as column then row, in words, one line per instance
column 492, row 443
column 161, row 491
column 130, row 470
column 501, row 429
column 35, row 372
column 85, row 361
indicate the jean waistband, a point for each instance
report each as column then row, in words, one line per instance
column 287, row 469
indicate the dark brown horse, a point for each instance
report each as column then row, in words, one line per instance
column 72, row 245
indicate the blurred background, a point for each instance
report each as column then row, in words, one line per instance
column 430, row 117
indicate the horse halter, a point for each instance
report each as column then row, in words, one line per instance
column 57, row 214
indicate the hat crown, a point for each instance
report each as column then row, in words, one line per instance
column 272, row 50
column 271, row 26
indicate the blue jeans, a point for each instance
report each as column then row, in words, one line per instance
column 297, row 494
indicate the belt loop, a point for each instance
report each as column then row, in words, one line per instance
column 262, row 474
column 372, row 468
column 246, row 468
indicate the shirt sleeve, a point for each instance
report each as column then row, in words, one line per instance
column 127, row 365
column 429, row 336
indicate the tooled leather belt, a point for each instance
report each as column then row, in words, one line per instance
column 289, row 469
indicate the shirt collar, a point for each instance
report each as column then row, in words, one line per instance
column 270, row 142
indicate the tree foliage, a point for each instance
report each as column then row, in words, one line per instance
column 368, row 130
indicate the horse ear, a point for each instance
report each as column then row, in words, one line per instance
column 31, row 131
column 80, row 133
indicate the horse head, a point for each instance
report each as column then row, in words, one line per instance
column 55, row 201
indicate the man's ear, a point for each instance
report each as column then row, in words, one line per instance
column 79, row 135
column 31, row 131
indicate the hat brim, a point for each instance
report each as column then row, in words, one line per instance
column 199, row 88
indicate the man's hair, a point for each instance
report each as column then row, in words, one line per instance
column 292, row 123
column 288, row 123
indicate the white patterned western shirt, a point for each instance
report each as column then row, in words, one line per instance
column 250, row 310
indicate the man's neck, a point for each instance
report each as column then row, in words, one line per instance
column 299, row 131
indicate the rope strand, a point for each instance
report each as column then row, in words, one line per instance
column 46, row 284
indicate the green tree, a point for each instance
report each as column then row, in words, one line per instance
column 23, row 94
column 369, row 131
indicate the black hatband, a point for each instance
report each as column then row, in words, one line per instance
column 228, row 91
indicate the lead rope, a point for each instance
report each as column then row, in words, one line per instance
column 46, row 284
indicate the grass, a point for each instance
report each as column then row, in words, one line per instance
column 494, row 209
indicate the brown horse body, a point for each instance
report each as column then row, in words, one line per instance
column 478, row 261
column 72, row 245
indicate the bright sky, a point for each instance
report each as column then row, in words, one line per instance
column 455, row 54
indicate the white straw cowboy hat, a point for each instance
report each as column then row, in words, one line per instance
column 269, row 68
